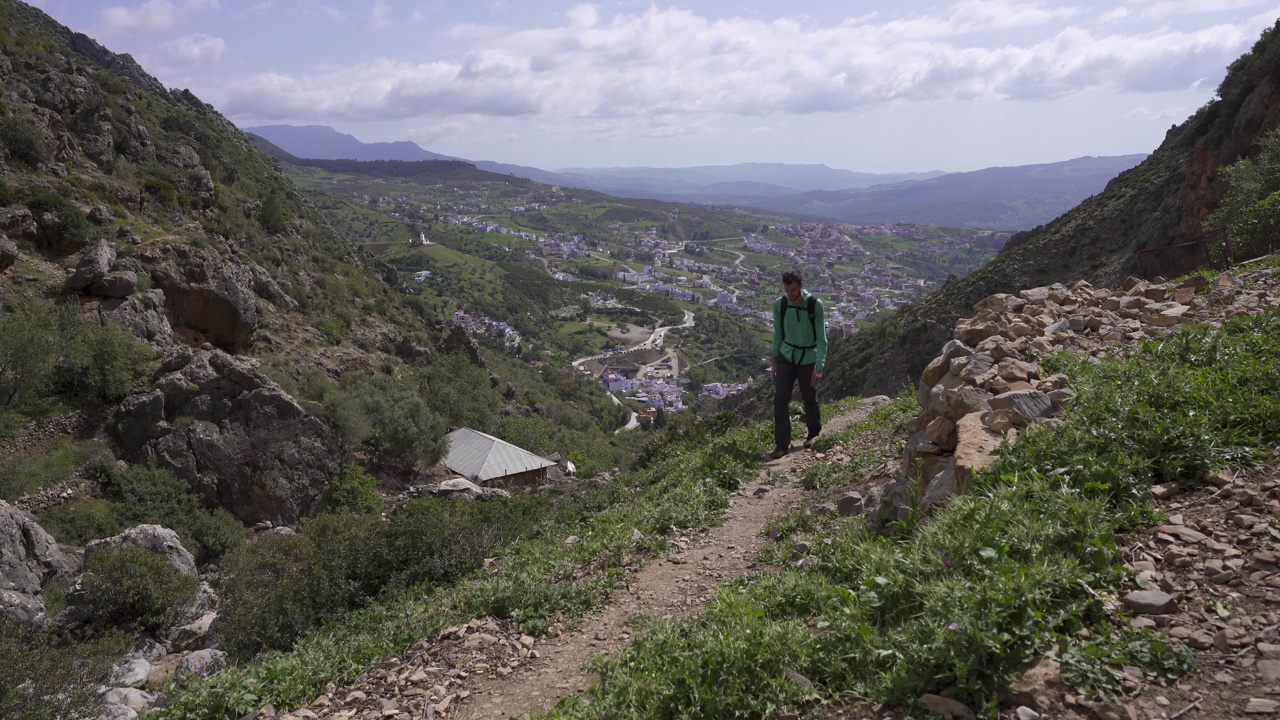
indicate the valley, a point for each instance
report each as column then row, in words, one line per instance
column 588, row 265
column 292, row 439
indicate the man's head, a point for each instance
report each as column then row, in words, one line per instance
column 793, row 283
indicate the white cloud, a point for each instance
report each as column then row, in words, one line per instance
column 1114, row 15
column 194, row 50
column 328, row 11
column 259, row 9
column 381, row 14
column 435, row 132
column 661, row 73
column 1173, row 114
column 1169, row 8
column 150, row 16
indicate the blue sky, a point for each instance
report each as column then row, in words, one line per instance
column 874, row 86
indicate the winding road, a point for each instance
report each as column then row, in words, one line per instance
column 656, row 338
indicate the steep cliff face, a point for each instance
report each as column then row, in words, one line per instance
column 1163, row 201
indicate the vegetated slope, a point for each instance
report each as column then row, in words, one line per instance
column 1162, row 201
column 1003, row 198
column 185, row 236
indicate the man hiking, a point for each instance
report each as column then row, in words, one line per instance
column 799, row 353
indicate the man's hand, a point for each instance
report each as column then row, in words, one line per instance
column 773, row 367
column 817, row 377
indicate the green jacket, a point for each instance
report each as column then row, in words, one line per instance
column 805, row 343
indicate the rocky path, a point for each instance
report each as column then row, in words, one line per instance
column 487, row 669
column 678, row 585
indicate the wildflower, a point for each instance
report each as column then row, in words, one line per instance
column 954, row 627
column 946, row 561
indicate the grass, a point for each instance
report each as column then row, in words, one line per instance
column 26, row 474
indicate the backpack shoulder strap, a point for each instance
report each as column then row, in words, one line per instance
column 781, row 305
column 812, row 306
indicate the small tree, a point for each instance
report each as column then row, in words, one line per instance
column 271, row 215
column 355, row 490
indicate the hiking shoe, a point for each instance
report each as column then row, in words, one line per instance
column 809, row 441
column 776, row 453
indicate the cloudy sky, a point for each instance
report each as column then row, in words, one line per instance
column 873, row 86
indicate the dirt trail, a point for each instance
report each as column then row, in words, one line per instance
column 672, row 587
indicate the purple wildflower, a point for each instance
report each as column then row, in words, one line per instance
column 954, row 627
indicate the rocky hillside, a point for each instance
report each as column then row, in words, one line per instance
column 186, row 342
column 1161, row 202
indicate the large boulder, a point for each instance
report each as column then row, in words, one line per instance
column 119, row 284
column 8, row 253
column 208, row 299
column 153, row 538
column 29, row 559
column 234, row 435
column 94, row 265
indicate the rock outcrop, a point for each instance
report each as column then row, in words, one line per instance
column 29, row 559
column 207, row 299
column 153, row 538
column 142, row 315
column 234, row 435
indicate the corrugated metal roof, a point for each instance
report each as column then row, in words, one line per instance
column 483, row 457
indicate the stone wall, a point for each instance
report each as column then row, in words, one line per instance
column 985, row 384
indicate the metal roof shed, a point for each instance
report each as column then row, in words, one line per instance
column 482, row 457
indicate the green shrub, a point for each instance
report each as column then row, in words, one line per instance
column 132, row 589
column 77, row 523
column 42, row 678
column 332, row 330
column 23, row 142
column 1256, row 230
column 354, row 490
column 282, row 586
column 435, row 539
column 161, row 190
column 146, row 495
column 30, row 343
column 105, row 361
column 70, row 227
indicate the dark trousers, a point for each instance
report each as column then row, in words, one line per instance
column 788, row 374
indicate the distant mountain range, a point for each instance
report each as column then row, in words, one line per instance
column 1004, row 198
